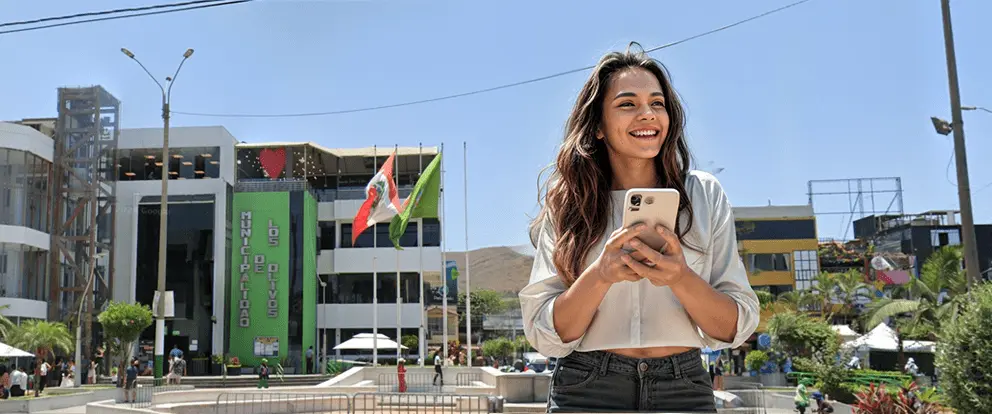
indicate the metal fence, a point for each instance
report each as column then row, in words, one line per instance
column 281, row 403
column 388, row 403
column 415, row 382
column 467, row 379
column 750, row 399
column 141, row 397
column 361, row 403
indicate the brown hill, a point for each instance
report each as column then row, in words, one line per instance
column 503, row 269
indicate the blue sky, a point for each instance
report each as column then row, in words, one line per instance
column 829, row 89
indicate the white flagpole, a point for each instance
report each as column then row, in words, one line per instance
column 375, row 278
column 399, row 291
column 468, row 277
column 421, row 337
column 444, row 268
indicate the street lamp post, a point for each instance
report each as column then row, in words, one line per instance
column 164, row 207
column 972, row 267
column 79, row 317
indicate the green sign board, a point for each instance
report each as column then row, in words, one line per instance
column 260, row 272
column 273, row 253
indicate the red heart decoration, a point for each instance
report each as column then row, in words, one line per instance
column 273, row 161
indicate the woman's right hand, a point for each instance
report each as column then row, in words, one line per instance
column 609, row 267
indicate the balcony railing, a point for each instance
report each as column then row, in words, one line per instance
column 333, row 194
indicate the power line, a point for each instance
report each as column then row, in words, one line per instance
column 481, row 91
column 100, row 19
column 105, row 12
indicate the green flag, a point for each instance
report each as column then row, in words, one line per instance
column 422, row 202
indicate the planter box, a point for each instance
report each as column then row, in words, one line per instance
column 231, row 371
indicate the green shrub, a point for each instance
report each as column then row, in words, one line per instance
column 755, row 360
column 963, row 354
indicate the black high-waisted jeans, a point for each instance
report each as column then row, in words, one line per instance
column 605, row 382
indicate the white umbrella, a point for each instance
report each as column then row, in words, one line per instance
column 365, row 341
column 7, row 351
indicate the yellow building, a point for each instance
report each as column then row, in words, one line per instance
column 779, row 247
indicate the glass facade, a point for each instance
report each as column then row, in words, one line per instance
column 22, row 272
column 184, row 163
column 356, row 288
column 24, row 180
column 190, row 270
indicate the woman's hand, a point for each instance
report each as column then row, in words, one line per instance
column 663, row 268
column 611, row 266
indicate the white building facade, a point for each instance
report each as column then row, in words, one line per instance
column 25, row 240
column 349, row 272
column 202, row 173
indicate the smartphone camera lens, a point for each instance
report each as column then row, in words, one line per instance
column 635, row 200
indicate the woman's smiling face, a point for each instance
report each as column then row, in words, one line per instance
column 635, row 119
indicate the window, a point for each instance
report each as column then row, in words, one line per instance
column 432, row 232
column 945, row 237
column 807, row 267
column 355, row 288
column 378, row 236
column 325, row 236
column 184, row 163
column 768, row 262
column 435, row 325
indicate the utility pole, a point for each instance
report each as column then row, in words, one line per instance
column 972, row 267
column 164, row 213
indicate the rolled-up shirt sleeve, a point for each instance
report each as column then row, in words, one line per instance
column 728, row 274
column 537, row 299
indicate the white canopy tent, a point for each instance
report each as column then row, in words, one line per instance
column 883, row 338
column 364, row 341
column 845, row 332
column 7, row 351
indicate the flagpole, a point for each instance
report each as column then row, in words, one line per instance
column 468, row 277
column 421, row 337
column 444, row 268
column 399, row 292
column 375, row 278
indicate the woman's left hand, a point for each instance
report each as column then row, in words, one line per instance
column 669, row 263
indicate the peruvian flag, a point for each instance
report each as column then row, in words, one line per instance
column 382, row 200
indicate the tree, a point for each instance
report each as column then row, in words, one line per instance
column 797, row 334
column 937, row 296
column 765, row 298
column 849, row 288
column 122, row 324
column 43, row 337
column 412, row 342
column 484, row 302
column 6, row 326
column 499, row 348
column 962, row 354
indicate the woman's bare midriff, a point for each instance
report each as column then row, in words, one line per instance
column 656, row 352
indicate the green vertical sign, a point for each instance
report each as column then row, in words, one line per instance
column 260, row 276
column 309, row 274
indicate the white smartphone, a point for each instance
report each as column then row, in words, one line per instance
column 651, row 206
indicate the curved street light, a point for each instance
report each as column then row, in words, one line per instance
column 976, row 108
column 164, row 206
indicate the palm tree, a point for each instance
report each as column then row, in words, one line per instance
column 825, row 290
column 6, row 325
column 43, row 337
column 797, row 300
column 936, row 296
column 850, row 288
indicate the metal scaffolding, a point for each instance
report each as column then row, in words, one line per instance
column 852, row 199
column 83, row 205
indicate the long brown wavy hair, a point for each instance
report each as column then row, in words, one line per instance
column 577, row 198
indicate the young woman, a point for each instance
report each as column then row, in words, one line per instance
column 626, row 321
